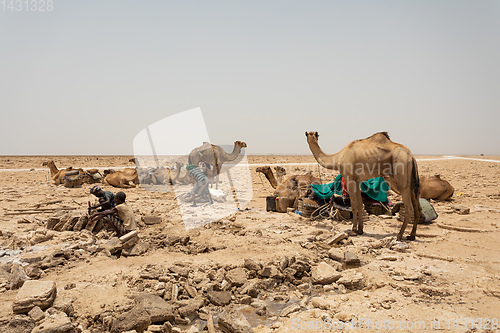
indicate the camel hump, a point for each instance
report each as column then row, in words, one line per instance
column 385, row 134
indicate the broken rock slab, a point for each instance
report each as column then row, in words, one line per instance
column 34, row 293
column 337, row 238
column 136, row 318
column 352, row 280
column 55, row 322
column 324, row 274
column 158, row 309
column 351, row 258
column 17, row 277
column 336, row 254
column 233, row 321
column 237, row 276
column 219, row 298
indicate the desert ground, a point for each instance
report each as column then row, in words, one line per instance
column 259, row 269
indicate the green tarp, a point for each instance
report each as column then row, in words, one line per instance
column 375, row 188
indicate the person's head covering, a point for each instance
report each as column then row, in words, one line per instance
column 190, row 166
column 95, row 189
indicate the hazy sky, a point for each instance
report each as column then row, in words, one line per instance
column 88, row 76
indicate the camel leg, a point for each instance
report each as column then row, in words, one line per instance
column 352, row 188
column 417, row 211
column 359, row 209
column 126, row 184
column 446, row 195
column 409, row 211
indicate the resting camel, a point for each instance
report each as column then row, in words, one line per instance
column 294, row 187
column 122, row 178
column 432, row 187
column 214, row 155
column 58, row 175
column 280, row 173
column 163, row 176
column 287, row 189
column 375, row 156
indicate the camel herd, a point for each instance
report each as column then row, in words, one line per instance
column 360, row 160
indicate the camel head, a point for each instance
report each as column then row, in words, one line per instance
column 108, row 171
column 263, row 169
column 312, row 137
column 240, row 144
column 48, row 163
column 280, row 170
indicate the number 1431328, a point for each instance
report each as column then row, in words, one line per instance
column 26, row 5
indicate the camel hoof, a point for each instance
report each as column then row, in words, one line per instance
column 352, row 233
column 410, row 238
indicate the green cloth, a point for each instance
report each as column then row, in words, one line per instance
column 375, row 188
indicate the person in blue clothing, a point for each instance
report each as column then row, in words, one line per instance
column 106, row 199
column 201, row 186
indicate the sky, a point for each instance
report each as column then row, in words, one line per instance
column 86, row 77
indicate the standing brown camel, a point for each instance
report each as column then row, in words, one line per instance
column 215, row 156
column 375, row 156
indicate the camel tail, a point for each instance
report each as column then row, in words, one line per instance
column 415, row 181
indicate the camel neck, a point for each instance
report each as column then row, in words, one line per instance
column 270, row 177
column 325, row 160
column 53, row 169
column 232, row 156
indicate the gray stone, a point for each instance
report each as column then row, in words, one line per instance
column 136, row 250
column 34, row 293
column 252, row 265
column 157, row 308
column 352, row 280
column 33, row 271
column 251, row 288
column 57, row 322
column 351, row 258
column 270, row 272
column 17, row 277
column 191, row 291
column 136, row 318
column 289, row 309
column 320, row 303
column 21, row 324
column 113, row 245
column 219, row 298
column 233, row 321
column 336, row 254
column 182, row 271
column 324, row 274
column 155, row 328
column 237, row 277
column 300, row 266
column 36, row 314
column 337, row 238
column 192, row 306
column 151, row 219
column 64, row 305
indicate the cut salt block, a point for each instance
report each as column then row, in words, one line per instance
column 151, row 219
column 128, row 236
